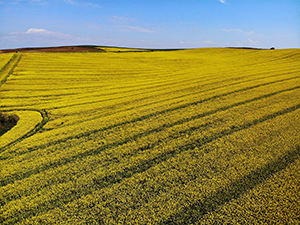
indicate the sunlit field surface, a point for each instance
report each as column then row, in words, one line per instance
column 201, row 136
column 4, row 58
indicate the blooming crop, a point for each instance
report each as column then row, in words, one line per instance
column 199, row 136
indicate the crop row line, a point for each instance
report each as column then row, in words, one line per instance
column 88, row 133
column 39, row 126
column 14, row 62
column 7, row 64
column 132, row 93
column 161, row 84
column 272, row 60
column 20, row 176
column 187, row 80
column 179, row 122
column 151, row 96
column 53, row 96
column 141, row 156
column 157, row 85
column 147, row 164
column 196, row 211
column 165, row 93
column 145, row 147
column 128, row 102
column 185, row 120
column 155, row 102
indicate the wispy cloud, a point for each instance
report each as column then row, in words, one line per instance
column 128, row 28
column 70, row 2
column 93, row 5
column 238, row 31
column 43, row 33
column 255, row 43
column 40, row 37
column 187, row 43
column 127, row 24
column 120, row 19
column 210, row 43
column 35, row 30
column 37, row 2
column 82, row 4
column 214, row 43
column 223, row 1
column 248, row 42
column 39, row 31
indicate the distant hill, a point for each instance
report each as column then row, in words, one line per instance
column 54, row 49
column 81, row 48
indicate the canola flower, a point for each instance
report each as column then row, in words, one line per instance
column 179, row 137
column 4, row 59
column 28, row 120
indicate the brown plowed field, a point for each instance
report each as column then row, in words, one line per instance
column 53, row 49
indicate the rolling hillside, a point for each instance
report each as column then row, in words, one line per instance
column 199, row 136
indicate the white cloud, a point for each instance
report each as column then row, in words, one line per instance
column 92, row 5
column 70, row 2
column 40, row 37
column 127, row 28
column 249, row 33
column 39, row 31
column 232, row 30
column 252, row 42
column 210, row 43
column 120, row 19
column 80, row 4
column 224, row 2
column 213, row 43
column 185, row 42
column 35, row 30
column 238, row 31
column 127, row 24
column 248, row 42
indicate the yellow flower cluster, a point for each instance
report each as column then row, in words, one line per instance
column 28, row 120
column 198, row 136
column 4, row 59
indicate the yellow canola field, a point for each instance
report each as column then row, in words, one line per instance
column 199, row 136
column 119, row 49
column 4, row 58
column 28, row 120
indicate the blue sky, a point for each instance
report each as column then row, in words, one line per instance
column 150, row 23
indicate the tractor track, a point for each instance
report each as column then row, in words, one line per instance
column 9, row 68
column 33, row 131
